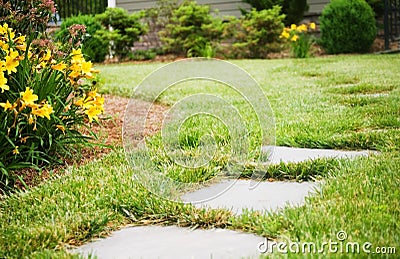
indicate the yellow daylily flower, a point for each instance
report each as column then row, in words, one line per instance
column 43, row 111
column 295, row 38
column 60, row 66
column 20, row 40
column 4, row 88
column 285, row 34
column 74, row 74
column 12, row 61
column 79, row 102
column 31, row 119
column 87, row 68
column 77, row 56
column 7, row 106
column 24, row 139
column 93, row 93
column 28, row 96
column 4, row 28
column 48, row 109
column 47, row 56
column 99, row 101
column 16, row 151
column 92, row 113
column 312, row 26
column 3, row 82
column 4, row 46
column 302, row 28
column 61, row 127
column 21, row 47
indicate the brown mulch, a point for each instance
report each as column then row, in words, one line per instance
column 109, row 133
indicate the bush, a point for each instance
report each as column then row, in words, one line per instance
column 45, row 96
column 293, row 9
column 257, row 34
column 191, row 28
column 347, row 26
column 160, row 15
column 140, row 55
column 27, row 17
column 93, row 46
column 126, row 30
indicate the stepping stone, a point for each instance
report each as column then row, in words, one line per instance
column 235, row 195
column 173, row 242
column 296, row 155
column 373, row 95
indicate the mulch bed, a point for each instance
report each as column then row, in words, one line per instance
column 109, row 133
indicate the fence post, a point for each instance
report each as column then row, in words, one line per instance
column 112, row 3
column 386, row 25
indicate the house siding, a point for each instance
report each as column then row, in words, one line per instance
column 224, row 7
column 316, row 6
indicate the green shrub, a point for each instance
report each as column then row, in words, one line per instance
column 203, row 50
column 140, row 55
column 93, row 46
column 27, row 17
column 45, row 96
column 160, row 15
column 293, row 9
column 126, row 30
column 347, row 26
column 191, row 27
column 257, row 34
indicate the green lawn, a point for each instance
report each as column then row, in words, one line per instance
column 327, row 102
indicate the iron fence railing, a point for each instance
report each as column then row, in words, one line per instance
column 392, row 21
column 68, row 8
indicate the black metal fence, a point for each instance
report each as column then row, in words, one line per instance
column 67, row 8
column 392, row 21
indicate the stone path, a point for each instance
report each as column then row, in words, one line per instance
column 296, row 155
column 266, row 196
column 175, row 242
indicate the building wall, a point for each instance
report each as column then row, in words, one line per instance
column 316, row 6
column 225, row 7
